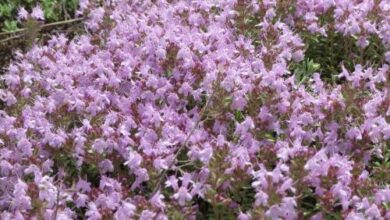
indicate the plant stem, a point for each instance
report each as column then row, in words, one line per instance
column 10, row 38
column 57, row 203
column 43, row 26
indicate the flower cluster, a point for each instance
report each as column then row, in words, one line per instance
column 169, row 109
column 37, row 13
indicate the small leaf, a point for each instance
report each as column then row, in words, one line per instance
column 10, row 25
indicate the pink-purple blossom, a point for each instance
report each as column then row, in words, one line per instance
column 162, row 106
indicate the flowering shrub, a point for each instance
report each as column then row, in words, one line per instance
column 192, row 110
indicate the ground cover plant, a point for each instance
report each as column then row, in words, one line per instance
column 202, row 110
column 22, row 22
column 49, row 10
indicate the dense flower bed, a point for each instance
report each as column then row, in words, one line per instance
column 190, row 110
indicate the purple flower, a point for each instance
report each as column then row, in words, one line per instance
column 106, row 166
column 244, row 216
column 83, row 186
column 146, row 214
column 128, row 97
column 134, row 160
column 157, row 200
column 125, row 211
column 160, row 164
column 81, row 200
column 172, row 182
column 22, row 13
column 373, row 212
column 92, row 212
column 182, row 196
column 25, row 147
column 21, row 200
column 37, row 13
column 261, row 198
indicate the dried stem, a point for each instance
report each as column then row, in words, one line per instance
column 57, row 203
column 10, row 38
column 41, row 26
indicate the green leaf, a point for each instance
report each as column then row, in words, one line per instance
column 10, row 25
column 239, row 116
column 304, row 70
column 6, row 10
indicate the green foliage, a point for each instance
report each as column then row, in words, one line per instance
column 304, row 70
column 10, row 25
column 324, row 54
column 91, row 173
column 6, row 9
column 242, row 194
column 334, row 50
column 239, row 116
column 68, row 163
column 54, row 10
column 381, row 165
column 309, row 204
column 216, row 211
column 88, row 171
column 80, row 212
